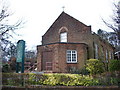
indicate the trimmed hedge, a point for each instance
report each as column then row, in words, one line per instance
column 49, row 79
column 57, row 80
column 67, row 80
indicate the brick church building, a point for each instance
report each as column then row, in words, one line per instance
column 69, row 43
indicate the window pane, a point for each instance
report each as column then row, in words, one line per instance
column 68, row 52
column 73, row 51
column 63, row 37
column 69, row 59
column 68, row 55
column 74, row 59
column 73, row 55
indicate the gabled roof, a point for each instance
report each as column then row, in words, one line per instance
column 65, row 16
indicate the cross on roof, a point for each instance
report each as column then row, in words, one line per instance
column 63, row 8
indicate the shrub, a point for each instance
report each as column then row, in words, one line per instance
column 73, row 70
column 53, row 79
column 114, row 65
column 48, row 79
column 69, row 80
column 94, row 66
column 84, row 71
column 6, row 68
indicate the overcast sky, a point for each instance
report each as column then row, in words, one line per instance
column 40, row 14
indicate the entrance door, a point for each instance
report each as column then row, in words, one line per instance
column 47, row 57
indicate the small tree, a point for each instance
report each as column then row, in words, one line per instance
column 94, row 66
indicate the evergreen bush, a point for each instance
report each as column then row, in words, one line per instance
column 114, row 65
column 94, row 66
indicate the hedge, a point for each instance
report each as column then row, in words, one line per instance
column 56, row 80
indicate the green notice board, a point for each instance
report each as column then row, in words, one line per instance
column 20, row 50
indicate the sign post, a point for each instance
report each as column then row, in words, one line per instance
column 20, row 56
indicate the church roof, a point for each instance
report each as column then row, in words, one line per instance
column 67, row 15
column 64, row 18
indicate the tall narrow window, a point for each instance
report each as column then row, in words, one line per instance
column 71, row 56
column 63, row 37
column 96, row 51
column 110, row 55
column 107, row 55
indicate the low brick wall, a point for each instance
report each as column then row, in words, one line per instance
column 61, row 88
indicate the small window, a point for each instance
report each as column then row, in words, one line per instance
column 71, row 56
column 63, row 37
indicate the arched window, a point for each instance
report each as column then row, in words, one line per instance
column 63, row 37
column 63, row 34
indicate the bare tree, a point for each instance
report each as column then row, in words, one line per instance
column 116, row 20
column 111, row 37
column 5, row 27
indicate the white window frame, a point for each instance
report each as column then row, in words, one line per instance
column 63, row 37
column 71, row 56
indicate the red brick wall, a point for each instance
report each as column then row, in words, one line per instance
column 59, row 55
column 77, row 32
